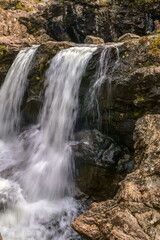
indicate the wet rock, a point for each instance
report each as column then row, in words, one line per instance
column 134, row 211
column 7, row 56
column 34, row 96
column 93, row 40
column 101, row 163
column 128, row 36
column 134, row 91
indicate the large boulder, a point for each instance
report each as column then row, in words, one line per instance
column 134, row 211
column 93, row 40
column 101, row 163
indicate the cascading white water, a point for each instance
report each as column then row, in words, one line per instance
column 12, row 91
column 49, row 169
column 105, row 71
column 45, row 170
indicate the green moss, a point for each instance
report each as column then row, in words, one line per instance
column 41, row 65
column 105, row 4
column 37, row 1
column 3, row 49
column 147, row 1
column 19, row 6
column 23, row 8
column 154, row 47
column 136, row 114
column 138, row 100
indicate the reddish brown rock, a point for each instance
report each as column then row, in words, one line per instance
column 93, row 40
column 134, row 213
column 12, row 29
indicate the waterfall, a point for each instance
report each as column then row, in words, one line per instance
column 104, row 73
column 44, row 205
column 12, row 91
column 49, row 152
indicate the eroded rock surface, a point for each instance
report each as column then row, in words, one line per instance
column 134, row 213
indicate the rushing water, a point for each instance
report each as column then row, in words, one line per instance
column 12, row 91
column 104, row 73
column 37, row 198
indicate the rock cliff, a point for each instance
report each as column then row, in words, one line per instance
column 134, row 211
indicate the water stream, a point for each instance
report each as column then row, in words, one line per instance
column 37, row 189
column 12, row 91
column 106, row 68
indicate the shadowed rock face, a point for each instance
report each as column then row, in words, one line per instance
column 106, row 19
column 74, row 20
column 101, row 163
column 134, row 211
column 134, row 89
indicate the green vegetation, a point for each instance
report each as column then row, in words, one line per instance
column 147, row 1
column 21, row 7
column 3, row 49
column 105, row 4
column 138, row 100
column 41, row 65
column 136, row 114
column 37, row 1
column 154, row 47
